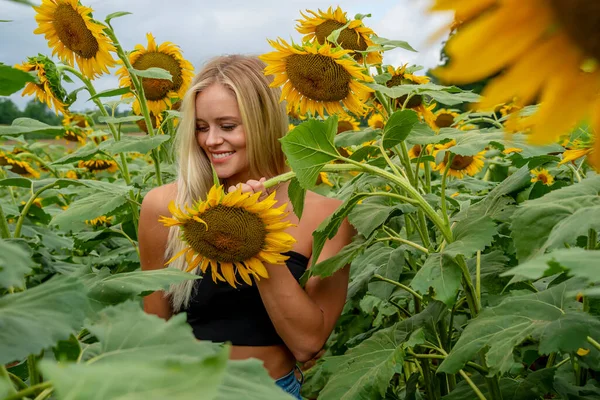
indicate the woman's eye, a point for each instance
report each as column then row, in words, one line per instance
column 228, row 127
column 201, row 128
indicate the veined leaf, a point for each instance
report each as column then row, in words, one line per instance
column 392, row 44
column 392, row 269
column 470, row 235
column 83, row 153
column 340, row 260
column 21, row 126
column 15, row 263
column 12, row 80
column 297, row 195
column 440, row 273
column 110, row 93
column 39, row 317
column 120, row 120
column 153, row 73
column 138, row 144
column 365, row 371
column 308, row 147
column 353, row 138
column 398, row 127
column 374, row 211
column 87, row 208
column 556, row 218
column 547, row 317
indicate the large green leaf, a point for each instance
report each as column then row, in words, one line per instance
column 548, row 317
column 23, row 125
column 138, row 144
column 120, row 120
column 15, row 263
column 308, row 147
column 37, row 318
column 470, row 235
column 556, row 218
column 373, row 211
column 107, row 288
column 12, row 80
column 449, row 95
column 87, row 208
column 247, row 379
column 440, row 273
column 390, row 270
column 297, row 195
column 153, row 73
column 83, row 153
column 388, row 44
column 398, row 127
column 365, row 371
column 340, row 260
column 353, row 138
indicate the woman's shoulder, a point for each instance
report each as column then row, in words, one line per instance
column 318, row 207
column 156, row 201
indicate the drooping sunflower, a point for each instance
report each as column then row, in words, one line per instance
column 444, row 119
column 355, row 36
column 18, row 166
column 75, row 124
column 376, row 121
column 233, row 234
column 347, row 123
column 99, row 164
column 460, row 165
column 161, row 94
column 75, row 36
column 317, row 78
column 156, row 121
column 102, row 220
column 49, row 89
column 541, row 175
column 548, row 49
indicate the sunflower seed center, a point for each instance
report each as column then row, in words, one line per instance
column 157, row 89
column 74, row 33
column 318, row 77
column 459, row 162
column 349, row 39
column 581, row 21
column 233, row 235
column 444, row 120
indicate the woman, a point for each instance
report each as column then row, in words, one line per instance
column 232, row 119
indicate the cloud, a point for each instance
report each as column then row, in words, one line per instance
column 209, row 28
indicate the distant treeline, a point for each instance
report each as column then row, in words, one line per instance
column 36, row 110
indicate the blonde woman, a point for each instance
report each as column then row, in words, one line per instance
column 232, row 119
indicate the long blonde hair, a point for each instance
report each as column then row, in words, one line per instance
column 265, row 121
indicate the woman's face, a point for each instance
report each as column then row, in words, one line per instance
column 220, row 133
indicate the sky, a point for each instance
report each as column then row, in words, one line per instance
column 203, row 29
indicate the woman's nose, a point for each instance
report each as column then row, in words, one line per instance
column 213, row 138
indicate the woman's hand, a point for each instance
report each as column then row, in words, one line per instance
column 252, row 186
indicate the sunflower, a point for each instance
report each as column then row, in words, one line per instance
column 509, row 150
column 161, row 94
column 403, row 76
column 316, row 78
column 355, row 36
column 71, row 175
column 291, row 126
column 461, row 165
column 233, row 234
column 73, row 34
column 444, row 119
column 376, row 121
column 415, row 151
column 576, row 151
column 156, row 121
column 531, row 41
column 98, row 164
column 542, row 175
column 49, row 89
column 75, row 123
column 347, row 123
column 17, row 166
column 102, row 220
column 323, row 178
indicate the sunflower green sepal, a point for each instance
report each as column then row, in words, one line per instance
column 233, row 234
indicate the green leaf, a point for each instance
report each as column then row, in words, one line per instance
column 15, row 263
column 153, row 73
column 546, row 316
column 398, row 127
column 392, row 269
column 308, row 147
column 392, row 44
column 119, row 120
column 365, row 371
column 340, row 260
column 556, row 218
column 116, row 15
column 21, row 126
column 17, row 182
column 37, row 318
column 83, row 153
column 87, row 208
column 138, row 144
column 373, row 212
column 449, row 95
column 353, row 138
column 297, row 194
column 440, row 273
column 248, row 379
column 111, row 93
column 107, row 288
column 470, row 235
column 12, row 80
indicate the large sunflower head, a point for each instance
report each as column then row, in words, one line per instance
column 98, row 165
column 75, row 36
column 233, row 234
column 317, row 78
column 460, row 165
column 18, row 166
column 355, row 36
column 161, row 94
column 49, row 90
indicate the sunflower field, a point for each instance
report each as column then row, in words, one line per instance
column 475, row 265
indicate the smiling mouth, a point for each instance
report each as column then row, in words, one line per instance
column 218, row 156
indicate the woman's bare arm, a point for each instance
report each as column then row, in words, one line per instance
column 152, row 238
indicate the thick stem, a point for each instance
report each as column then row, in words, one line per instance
column 409, row 290
column 4, row 374
column 27, row 206
column 29, row 391
column 478, row 279
column 34, row 376
column 4, row 229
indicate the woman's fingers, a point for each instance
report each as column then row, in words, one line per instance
column 252, row 186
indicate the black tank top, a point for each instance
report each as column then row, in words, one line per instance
column 221, row 313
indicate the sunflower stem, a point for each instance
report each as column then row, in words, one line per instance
column 29, row 391
column 443, row 189
column 286, row 176
column 17, row 233
column 406, row 288
column 389, row 161
column 478, row 279
column 6, row 375
column 4, row 230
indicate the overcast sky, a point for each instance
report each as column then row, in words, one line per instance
column 204, row 29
